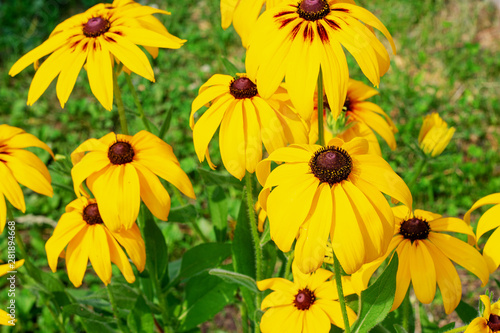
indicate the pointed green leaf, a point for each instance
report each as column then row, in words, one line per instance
column 202, row 257
column 236, row 278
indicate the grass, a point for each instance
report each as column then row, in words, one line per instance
column 444, row 64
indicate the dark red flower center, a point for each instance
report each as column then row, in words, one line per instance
column 304, row 299
column 331, row 165
column 414, row 229
column 242, row 87
column 91, row 214
column 313, row 10
column 347, row 105
column 96, row 26
column 494, row 322
column 120, row 153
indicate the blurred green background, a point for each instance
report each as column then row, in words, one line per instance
column 448, row 62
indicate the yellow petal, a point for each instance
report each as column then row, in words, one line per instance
column 147, row 37
column 232, row 141
column 70, row 69
column 271, row 127
column 69, row 225
column 91, row 163
column 478, row 325
column 153, row 193
column 447, row 279
column 99, row 253
column 133, row 243
column 118, row 257
column 316, row 320
column 491, row 251
column 253, row 149
column 28, row 175
column 3, row 212
column 226, row 12
column 24, row 140
column 11, row 189
column 100, row 73
column 450, row 224
column 423, row 273
column 282, row 319
column 130, row 55
column 288, row 207
column 403, row 276
column 334, row 313
column 487, row 200
column 277, row 298
column 461, row 253
column 311, row 243
column 277, row 284
column 77, row 255
column 347, row 240
column 488, row 221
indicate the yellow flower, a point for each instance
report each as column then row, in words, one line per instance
column 122, row 169
column 333, row 190
column 489, row 322
column 98, row 37
column 296, row 39
column 18, row 165
column 309, row 304
column 487, row 222
column 434, row 135
column 424, row 250
column 5, row 318
column 81, row 229
column 246, row 121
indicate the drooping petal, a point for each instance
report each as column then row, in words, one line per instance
column 491, row 251
column 11, row 189
column 488, row 221
column 487, row 200
column 153, row 193
column 423, row 272
column 288, row 207
column 334, row 313
column 461, row 253
column 100, row 72
column 272, row 133
column 133, row 243
column 28, row 176
column 119, row 258
column 99, row 253
column 70, row 69
column 251, row 128
column 451, row 224
column 232, row 141
column 447, row 278
column 89, row 164
column 282, row 319
column 311, row 243
column 316, row 320
column 77, row 256
column 69, row 225
column 403, row 276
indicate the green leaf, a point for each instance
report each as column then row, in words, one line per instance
column 166, row 123
column 216, row 178
column 376, row 301
column 269, row 255
column 399, row 329
column 230, row 67
column 466, row 312
column 217, row 203
column 81, row 311
column 125, row 296
column 206, row 295
column 237, row 278
column 156, row 246
column 202, row 257
column 446, row 328
column 97, row 326
column 243, row 247
column 183, row 214
column 140, row 318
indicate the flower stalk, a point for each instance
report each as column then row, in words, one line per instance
column 119, row 104
column 321, row 128
column 340, row 291
column 137, row 102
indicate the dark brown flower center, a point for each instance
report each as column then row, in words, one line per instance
column 414, row 229
column 331, row 164
column 494, row 322
column 304, row 299
column 347, row 105
column 91, row 214
column 120, row 153
column 96, row 26
column 313, row 10
column 242, row 87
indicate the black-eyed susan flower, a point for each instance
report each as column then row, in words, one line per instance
column 425, row 252
column 308, row 304
column 294, row 40
column 85, row 237
column 434, row 135
column 19, row 166
column 489, row 322
column 7, row 319
column 97, row 38
column 331, row 191
column 246, row 122
column 122, row 169
column 488, row 221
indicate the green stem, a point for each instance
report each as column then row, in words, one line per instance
column 138, row 104
column 406, row 311
column 255, row 237
column 119, row 104
column 340, row 291
column 195, row 226
column 56, row 318
column 418, row 170
column 458, row 329
column 321, row 135
column 162, row 300
column 112, row 300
